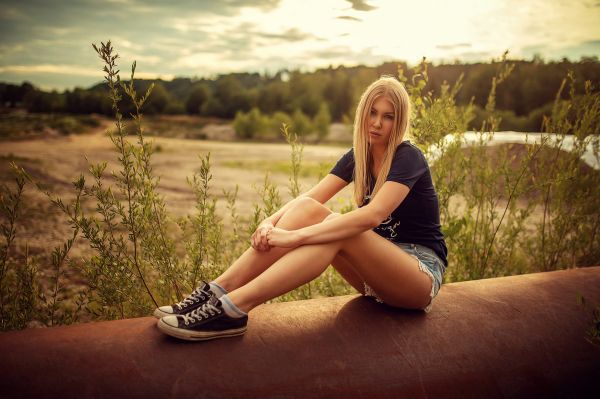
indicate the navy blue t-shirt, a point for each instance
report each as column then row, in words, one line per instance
column 417, row 219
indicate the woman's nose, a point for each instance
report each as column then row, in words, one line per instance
column 376, row 121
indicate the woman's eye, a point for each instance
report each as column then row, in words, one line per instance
column 391, row 117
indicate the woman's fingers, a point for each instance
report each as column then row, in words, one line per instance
column 253, row 240
column 256, row 241
column 259, row 240
column 263, row 238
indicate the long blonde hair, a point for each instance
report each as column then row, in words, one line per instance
column 394, row 91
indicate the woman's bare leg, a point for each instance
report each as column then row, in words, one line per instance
column 348, row 272
column 345, row 268
column 252, row 263
column 390, row 271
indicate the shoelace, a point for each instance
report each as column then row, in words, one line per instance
column 203, row 312
column 195, row 296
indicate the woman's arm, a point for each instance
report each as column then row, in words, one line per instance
column 322, row 192
column 389, row 197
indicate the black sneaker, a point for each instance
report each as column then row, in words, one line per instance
column 205, row 322
column 198, row 297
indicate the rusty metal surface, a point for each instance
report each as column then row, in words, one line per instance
column 520, row 336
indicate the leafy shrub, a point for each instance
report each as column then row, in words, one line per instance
column 279, row 119
column 301, row 123
column 488, row 226
column 250, row 125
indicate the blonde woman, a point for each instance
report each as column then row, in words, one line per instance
column 390, row 248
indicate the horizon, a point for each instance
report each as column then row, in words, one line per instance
column 215, row 77
column 50, row 46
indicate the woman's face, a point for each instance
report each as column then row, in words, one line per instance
column 381, row 121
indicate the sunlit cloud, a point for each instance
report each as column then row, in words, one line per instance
column 452, row 46
column 361, row 5
column 48, row 68
column 349, row 18
column 72, row 70
column 205, row 38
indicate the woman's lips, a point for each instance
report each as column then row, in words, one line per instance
column 374, row 134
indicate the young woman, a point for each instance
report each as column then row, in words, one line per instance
column 391, row 248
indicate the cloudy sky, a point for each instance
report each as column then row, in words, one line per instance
column 49, row 42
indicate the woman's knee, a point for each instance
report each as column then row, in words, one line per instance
column 310, row 206
column 305, row 211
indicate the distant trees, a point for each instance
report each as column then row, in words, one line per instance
column 339, row 95
column 158, row 101
column 39, row 101
column 13, row 96
column 80, row 101
column 311, row 99
column 230, row 97
column 274, row 96
column 197, row 97
column 322, row 121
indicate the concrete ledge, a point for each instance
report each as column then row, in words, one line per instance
column 520, row 336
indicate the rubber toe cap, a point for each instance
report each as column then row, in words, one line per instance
column 166, row 309
column 170, row 320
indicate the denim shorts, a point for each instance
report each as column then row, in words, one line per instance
column 429, row 263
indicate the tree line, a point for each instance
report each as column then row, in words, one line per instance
column 326, row 94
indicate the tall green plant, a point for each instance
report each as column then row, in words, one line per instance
column 480, row 217
column 158, row 248
column 17, row 284
column 234, row 240
column 569, row 231
column 493, row 224
column 127, row 229
column 203, row 230
column 296, row 159
column 54, row 313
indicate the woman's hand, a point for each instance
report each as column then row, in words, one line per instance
column 259, row 237
column 277, row 237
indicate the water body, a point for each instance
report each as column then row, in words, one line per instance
column 590, row 157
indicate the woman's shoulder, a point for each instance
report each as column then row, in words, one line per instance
column 349, row 155
column 407, row 145
column 347, row 158
column 408, row 149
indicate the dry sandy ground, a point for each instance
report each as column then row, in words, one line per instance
column 59, row 160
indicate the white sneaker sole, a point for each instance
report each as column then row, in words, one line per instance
column 197, row 335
